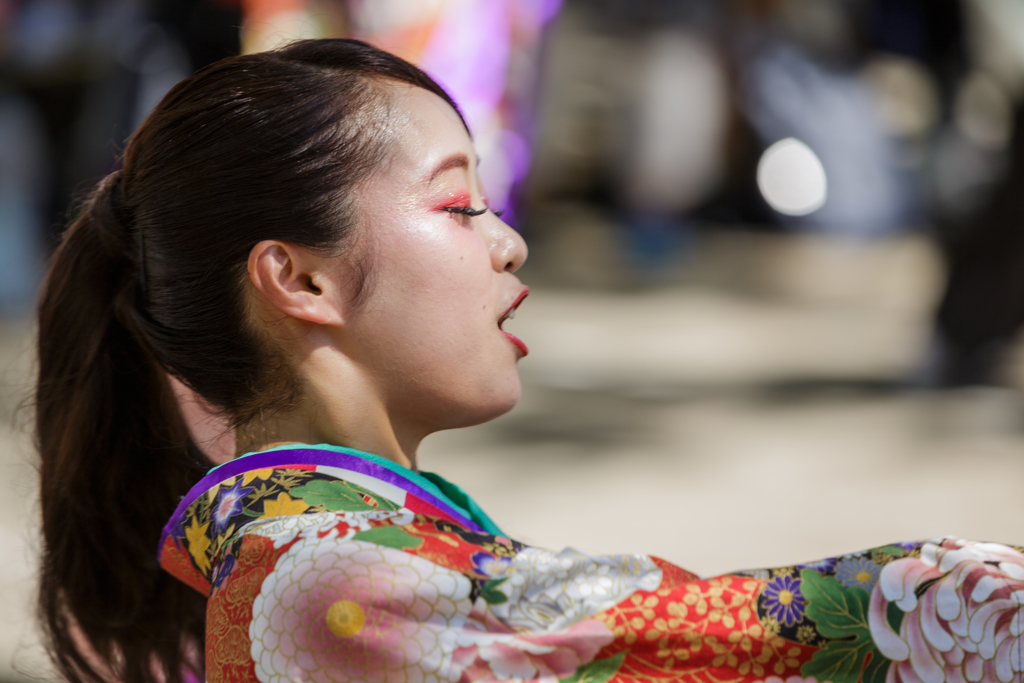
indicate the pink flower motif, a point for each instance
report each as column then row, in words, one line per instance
column 964, row 620
column 337, row 610
column 356, row 611
column 490, row 651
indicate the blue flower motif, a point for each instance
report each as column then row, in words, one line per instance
column 784, row 601
column 858, row 572
column 761, row 574
column 826, row 565
column 489, row 565
column 229, row 504
column 224, row 568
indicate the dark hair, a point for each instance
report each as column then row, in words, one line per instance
column 150, row 280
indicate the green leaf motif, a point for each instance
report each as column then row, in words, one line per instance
column 490, row 593
column 839, row 662
column 895, row 616
column 390, row 536
column 877, row 670
column 891, row 550
column 339, row 495
column 597, row 671
column 840, row 612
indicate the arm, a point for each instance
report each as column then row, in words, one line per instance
column 357, row 595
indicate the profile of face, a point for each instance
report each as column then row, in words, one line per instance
column 442, row 280
column 421, row 347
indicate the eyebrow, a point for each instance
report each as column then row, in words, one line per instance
column 454, row 161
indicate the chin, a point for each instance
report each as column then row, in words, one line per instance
column 500, row 409
column 493, row 403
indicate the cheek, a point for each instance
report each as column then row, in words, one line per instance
column 441, row 273
column 427, row 307
column 444, row 315
column 434, row 301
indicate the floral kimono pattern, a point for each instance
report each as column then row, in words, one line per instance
column 326, row 564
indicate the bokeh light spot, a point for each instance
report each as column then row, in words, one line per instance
column 791, row 178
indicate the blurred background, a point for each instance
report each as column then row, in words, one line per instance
column 777, row 255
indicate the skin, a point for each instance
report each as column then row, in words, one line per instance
column 420, row 349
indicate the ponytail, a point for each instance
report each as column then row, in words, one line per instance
column 115, row 458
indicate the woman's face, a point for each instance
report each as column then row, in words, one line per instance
column 428, row 330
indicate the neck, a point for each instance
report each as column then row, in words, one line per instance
column 252, row 438
column 345, row 411
column 282, row 431
column 342, row 403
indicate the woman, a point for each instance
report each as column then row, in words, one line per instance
column 300, row 237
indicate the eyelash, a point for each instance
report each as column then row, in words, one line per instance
column 470, row 211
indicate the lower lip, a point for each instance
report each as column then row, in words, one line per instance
column 518, row 342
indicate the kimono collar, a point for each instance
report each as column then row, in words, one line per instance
column 297, row 480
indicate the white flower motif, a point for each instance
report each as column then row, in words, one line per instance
column 964, row 620
column 357, row 611
column 287, row 528
column 362, row 519
column 550, row 592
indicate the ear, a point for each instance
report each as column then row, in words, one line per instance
column 293, row 280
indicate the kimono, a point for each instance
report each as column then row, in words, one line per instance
column 327, row 564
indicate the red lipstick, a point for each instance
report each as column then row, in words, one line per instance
column 510, row 313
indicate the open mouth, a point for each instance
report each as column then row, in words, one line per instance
column 508, row 315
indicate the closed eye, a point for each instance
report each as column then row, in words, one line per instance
column 465, row 210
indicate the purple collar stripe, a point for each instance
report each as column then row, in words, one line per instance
column 309, row 456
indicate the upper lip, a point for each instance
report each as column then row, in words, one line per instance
column 514, row 306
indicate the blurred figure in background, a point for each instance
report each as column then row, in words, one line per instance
column 670, row 157
column 983, row 305
column 23, row 176
column 853, row 119
column 829, row 163
column 636, row 119
column 77, row 77
column 913, row 108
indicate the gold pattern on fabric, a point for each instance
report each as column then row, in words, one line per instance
column 229, row 611
column 253, row 475
column 198, row 543
column 702, row 631
column 284, row 505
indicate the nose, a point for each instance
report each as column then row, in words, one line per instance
column 508, row 248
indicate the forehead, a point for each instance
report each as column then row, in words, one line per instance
column 426, row 128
